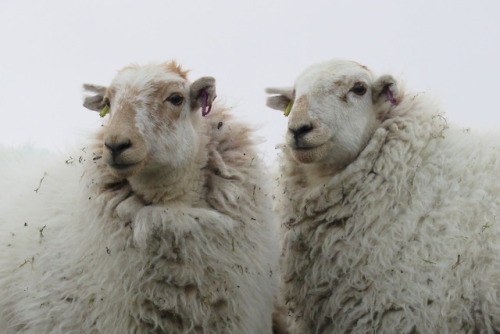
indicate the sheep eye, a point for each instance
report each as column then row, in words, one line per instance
column 359, row 89
column 176, row 99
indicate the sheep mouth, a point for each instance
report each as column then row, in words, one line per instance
column 118, row 166
column 306, row 147
column 309, row 153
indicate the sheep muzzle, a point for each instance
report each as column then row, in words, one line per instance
column 124, row 150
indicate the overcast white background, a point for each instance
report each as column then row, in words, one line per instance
column 49, row 48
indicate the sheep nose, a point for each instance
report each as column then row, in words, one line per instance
column 118, row 147
column 301, row 130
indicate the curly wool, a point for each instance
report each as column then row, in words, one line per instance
column 404, row 240
column 68, row 264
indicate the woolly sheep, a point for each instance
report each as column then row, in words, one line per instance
column 391, row 218
column 160, row 226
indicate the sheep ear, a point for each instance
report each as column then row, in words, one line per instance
column 281, row 98
column 94, row 102
column 385, row 90
column 385, row 94
column 202, row 94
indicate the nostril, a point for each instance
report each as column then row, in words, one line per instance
column 117, row 148
column 301, row 131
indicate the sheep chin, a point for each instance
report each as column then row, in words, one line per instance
column 311, row 154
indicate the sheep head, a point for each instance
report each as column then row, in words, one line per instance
column 152, row 120
column 335, row 108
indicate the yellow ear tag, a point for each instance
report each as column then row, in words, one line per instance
column 288, row 108
column 104, row 111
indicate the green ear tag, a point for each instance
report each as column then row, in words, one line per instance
column 288, row 108
column 104, row 111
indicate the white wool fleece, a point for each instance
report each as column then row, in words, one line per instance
column 69, row 264
column 405, row 239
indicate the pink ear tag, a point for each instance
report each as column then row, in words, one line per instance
column 205, row 106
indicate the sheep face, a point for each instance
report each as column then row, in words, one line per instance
column 335, row 110
column 152, row 123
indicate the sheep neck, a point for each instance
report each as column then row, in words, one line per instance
column 320, row 173
column 317, row 173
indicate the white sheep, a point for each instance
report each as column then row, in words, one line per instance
column 163, row 225
column 391, row 218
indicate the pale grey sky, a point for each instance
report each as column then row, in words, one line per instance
column 49, row 48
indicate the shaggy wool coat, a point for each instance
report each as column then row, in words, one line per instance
column 68, row 264
column 405, row 239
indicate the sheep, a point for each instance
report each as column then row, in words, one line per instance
column 162, row 224
column 390, row 216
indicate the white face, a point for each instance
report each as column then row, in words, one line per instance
column 332, row 116
column 151, row 125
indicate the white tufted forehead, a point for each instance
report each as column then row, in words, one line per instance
column 147, row 76
column 333, row 72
